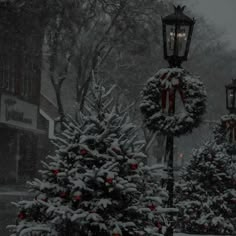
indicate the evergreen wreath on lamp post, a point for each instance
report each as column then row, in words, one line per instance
column 161, row 90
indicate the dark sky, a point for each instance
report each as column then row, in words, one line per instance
column 221, row 13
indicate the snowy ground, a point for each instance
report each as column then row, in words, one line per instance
column 181, row 234
column 8, row 211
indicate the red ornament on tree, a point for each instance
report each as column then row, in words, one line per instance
column 55, row 172
column 116, row 234
column 233, row 200
column 134, row 166
column 77, row 198
column 109, row 180
column 205, row 228
column 152, row 207
column 159, row 226
column 83, row 152
column 41, row 197
column 63, row 194
column 22, row 215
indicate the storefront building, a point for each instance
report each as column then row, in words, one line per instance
column 24, row 125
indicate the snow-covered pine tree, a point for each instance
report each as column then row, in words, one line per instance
column 225, row 135
column 96, row 183
column 206, row 192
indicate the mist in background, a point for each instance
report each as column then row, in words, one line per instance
column 220, row 14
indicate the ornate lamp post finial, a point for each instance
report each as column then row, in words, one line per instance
column 179, row 8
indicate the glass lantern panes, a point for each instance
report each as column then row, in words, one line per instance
column 182, row 34
column 177, row 32
column 170, row 38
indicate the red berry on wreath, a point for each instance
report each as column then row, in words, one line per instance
column 83, row 152
column 158, row 97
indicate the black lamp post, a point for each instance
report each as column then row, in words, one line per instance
column 177, row 33
column 231, row 97
column 231, row 107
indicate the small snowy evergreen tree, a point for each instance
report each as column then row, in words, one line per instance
column 96, row 183
column 206, row 193
column 224, row 135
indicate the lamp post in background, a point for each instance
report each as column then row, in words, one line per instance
column 229, row 124
column 177, row 34
column 231, row 97
column 231, row 107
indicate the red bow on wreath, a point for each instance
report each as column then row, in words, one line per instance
column 171, row 92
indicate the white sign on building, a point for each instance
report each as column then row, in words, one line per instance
column 17, row 112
